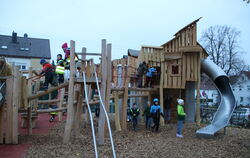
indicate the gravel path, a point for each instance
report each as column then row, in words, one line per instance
column 142, row 143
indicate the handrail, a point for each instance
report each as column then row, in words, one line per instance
column 90, row 114
column 107, row 118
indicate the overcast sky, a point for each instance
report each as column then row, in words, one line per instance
column 124, row 23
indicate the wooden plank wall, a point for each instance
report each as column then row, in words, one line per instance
column 185, row 38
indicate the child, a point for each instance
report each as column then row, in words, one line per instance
column 60, row 69
column 180, row 117
column 147, row 115
column 156, row 111
column 48, row 72
column 134, row 112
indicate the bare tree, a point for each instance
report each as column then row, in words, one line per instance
column 248, row 1
column 223, row 47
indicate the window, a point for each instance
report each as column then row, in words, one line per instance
column 4, row 47
column 248, row 88
column 241, row 99
column 233, row 89
column 24, row 49
column 175, row 69
column 23, row 67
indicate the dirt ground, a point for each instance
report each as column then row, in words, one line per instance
column 142, row 143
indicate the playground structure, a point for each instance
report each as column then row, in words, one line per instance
column 178, row 62
column 23, row 94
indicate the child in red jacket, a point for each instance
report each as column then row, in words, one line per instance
column 48, row 72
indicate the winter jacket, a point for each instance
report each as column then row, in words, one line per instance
column 147, row 111
column 150, row 72
column 180, row 112
column 154, row 109
column 134, row 112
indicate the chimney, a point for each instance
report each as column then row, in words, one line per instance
column 14, row 37
column 25, row 35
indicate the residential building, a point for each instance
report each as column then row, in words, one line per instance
column 24, row 51
column 209, row 93
column 241, row 88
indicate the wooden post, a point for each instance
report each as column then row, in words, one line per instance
column 78, row 118
column 108, row 85
column 109, row 73
column 125, row 105
column 141, row 108
column 70, row 106
column 101, row 121
column 2, row 123
column 29, row 110
column 9, row 115
column 198, row 118
column 62, row 93
column 16, row 104
column 117, row 115
column 161, row 90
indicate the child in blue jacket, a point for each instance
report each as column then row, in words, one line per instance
column 156, row 112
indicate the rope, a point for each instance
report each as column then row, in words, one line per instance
column 107, row 118
column 90, row 114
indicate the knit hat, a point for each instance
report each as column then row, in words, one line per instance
column 156, row 100
column 65, row 45
column 42, row 61
column 180, row 101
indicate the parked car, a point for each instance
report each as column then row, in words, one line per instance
column 241, row 117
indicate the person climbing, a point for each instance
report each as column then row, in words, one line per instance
column 149, row 77
column 146, row 113
column 134, row 112
column 49, row 74
column 141, row 70
column 60, row 69
column 156, row 112
column 180, row 117
column 66, row 50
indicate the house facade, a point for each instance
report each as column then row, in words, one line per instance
column 209, row 94
column 241, row 88
column 24, row 51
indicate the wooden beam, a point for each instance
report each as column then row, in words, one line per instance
column 9, row 115
column 16, row 104
column 135, row 89
column 2, row 123
column 29, row 110
column 48, row 101
column 191, row 49
column 161, row 90
column 101, row 121
column 42, row 93
column 70, row 107
column 125, row 105
column 51, row 110
column 198, row 118
column 91, row 54
column 61, row 98
column 117, row 113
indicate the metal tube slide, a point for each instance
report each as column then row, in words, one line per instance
column 106, row 115
column 90, row 114
column 227, row 99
